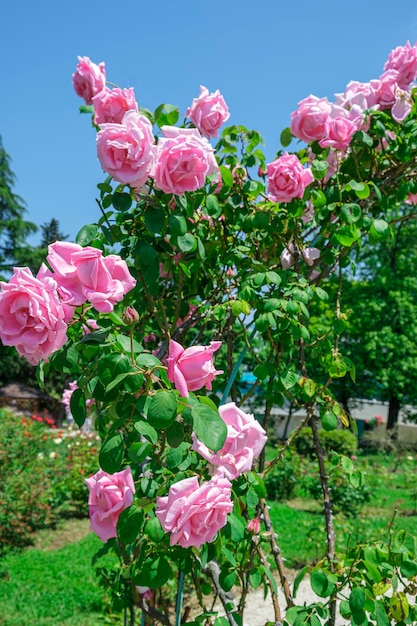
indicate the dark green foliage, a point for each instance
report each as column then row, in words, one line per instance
column 340, row 441
column 282, row 480
column 346, row 498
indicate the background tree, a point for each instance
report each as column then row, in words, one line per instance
column 14, row 229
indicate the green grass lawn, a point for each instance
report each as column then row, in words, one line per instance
column 58, row 586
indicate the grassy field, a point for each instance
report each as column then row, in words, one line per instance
column 53, row 583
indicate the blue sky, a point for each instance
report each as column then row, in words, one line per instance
column 264, row 57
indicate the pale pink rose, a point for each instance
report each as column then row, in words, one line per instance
column 244, row 442
column 254, row 526
column 402, row 106
column 127, row 151
column 289, row 255
column 338, row 133
column 403, row 60
column 308, row 120
column 194, row 513
column 192, row 368
column 110, row 494
column 110, row 105
column 208, row 112
column 90, row 326
column 88, row 79
column 287, row 178
column 308, row 213
column 411, row 199
column 67, row 393
column 32, row 317
column 357, row 94
column 84, row 274
column 184, row 160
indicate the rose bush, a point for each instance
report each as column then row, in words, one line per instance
column 221, row 244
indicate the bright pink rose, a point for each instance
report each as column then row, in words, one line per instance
column 287, row 178
column 193, row 368
column 403, row 60
column 307, row 122
column 244, row 443
column 88, row 79
column 85, row 274
column 110, row 105
column 184, row 160
column 32, row 317
column 193, row 513
column 110, row 494
column 127, row 151
column 208, row 112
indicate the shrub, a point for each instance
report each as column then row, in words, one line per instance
column 281, row 481
column 345, row 497
column 340, row 441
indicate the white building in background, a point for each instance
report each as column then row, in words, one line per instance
column 362, row 411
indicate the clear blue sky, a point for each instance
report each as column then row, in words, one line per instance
column 263, row 55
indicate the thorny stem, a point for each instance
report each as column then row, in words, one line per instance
column 213, row 570
column 328, row 510
column 274, row 597
column 276, row 552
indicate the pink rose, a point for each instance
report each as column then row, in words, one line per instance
column 385, row 87
column 67, row 393
column 254, row 526
column 411, row 199
column 88, row 79
column 110, row 494
column 402, row 106
column 357, row 94
column 127, row 151
column 289, row 255
column 32, row 317
column 184, row 160
column 287, row 178
column 403, row 60
column 85, row 274
column 338, row 133
column 244, row 442
column 193, row 513
column 193, row 368
column 208, row 112
column 308, row 121
column 110, row 105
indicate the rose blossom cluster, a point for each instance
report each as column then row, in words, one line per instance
column 334, row 124
column 126, row 148
column 35, row 310
column 193, row 513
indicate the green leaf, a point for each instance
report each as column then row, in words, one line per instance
column 380, row 614
column 87, row 234
column 379, row 230
column 351, row 213
column 148, row 431
column 408, row 568
column 357, row 599
column 175, row 434
column 297, row 580
column 154, row 572
column 155, row 219
column 177, row 224
column 111, row 453
column 289, row 379
column 212, row 205
column 235, row 528
column 209, row 426
column 154, row 530
column 286, row 137
column 129, row 524
column 347, row 235
column 162, row 409
column 227, row 579
column 319, row 169
column 227, row 176
column 78, row 407
column 187, row 242
column 328, row 420
column 122, row 201
column 321, row 584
